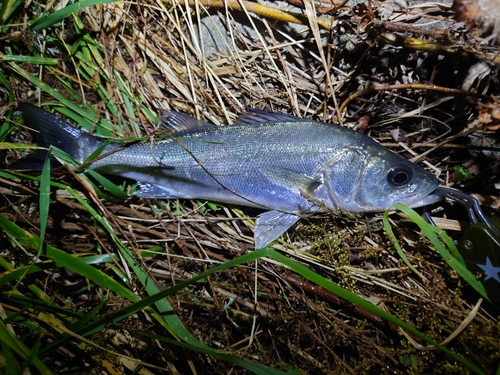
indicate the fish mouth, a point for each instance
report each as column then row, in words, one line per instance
column 435, row 195
column 427, row 200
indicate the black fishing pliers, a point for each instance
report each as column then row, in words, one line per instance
column 480, row 243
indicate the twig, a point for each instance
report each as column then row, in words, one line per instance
column 415, row 86
column 262, row 10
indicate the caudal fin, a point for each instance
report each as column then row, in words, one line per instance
column 49, row 130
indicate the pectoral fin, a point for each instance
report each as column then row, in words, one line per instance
column 292, row 180
column 270, row 225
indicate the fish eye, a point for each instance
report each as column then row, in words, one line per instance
column 399, row 175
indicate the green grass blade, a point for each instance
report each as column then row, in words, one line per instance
column 9, row 339
column 90, row 116
column 44, row 200
column 48, row 20
column 8, row 7
column 18, row 273
column 82, row 121
column 127, row 97
column 89, row 315
column 36, row 60
column 394, row 240
column 63, row 259
column 104, row 128
column 21, row 300
column 251, row 366
column 9, row 364
column 7, row 126
column 108, row 185
column 451, row 256
column 10, row 145
column 12, row 274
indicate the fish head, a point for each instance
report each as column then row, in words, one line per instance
column 374, row 179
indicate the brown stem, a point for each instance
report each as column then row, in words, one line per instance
column 333, row 298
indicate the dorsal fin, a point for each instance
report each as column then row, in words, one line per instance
column 253, row 115
column 179, row 123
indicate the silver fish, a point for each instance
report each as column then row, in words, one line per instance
column 288, row 166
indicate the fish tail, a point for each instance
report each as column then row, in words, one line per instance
column 50, row 130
